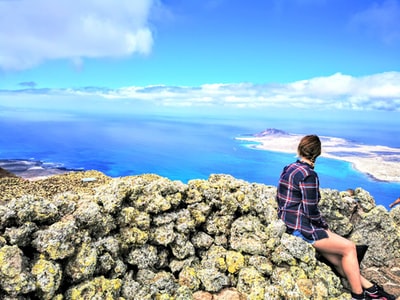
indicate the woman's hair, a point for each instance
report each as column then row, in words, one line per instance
column 309, row 147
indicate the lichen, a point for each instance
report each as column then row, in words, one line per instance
column 146, row 237
column 48, row 275
column 234, row 261
column 188, row 277
column 97, row 288
column 58, row 240
column 83, row 264
column 15, row 278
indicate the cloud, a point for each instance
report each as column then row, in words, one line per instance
column 29, row 84
column 381, row 19
column 336, row 92
column 32, row 32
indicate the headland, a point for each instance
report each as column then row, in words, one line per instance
column 32, row 169
column 381, row 163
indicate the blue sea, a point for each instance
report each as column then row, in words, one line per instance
column 193, row 147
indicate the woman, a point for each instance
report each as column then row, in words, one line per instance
column 298, row 196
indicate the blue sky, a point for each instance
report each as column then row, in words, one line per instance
column 326, row 54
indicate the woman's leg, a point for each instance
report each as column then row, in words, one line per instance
column 336, row 261
column 343, row 255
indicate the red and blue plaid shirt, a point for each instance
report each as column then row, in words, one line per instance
column 298, row 196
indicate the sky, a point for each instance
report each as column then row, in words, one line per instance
column 197, row 54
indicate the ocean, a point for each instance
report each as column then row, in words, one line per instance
column 184, row 148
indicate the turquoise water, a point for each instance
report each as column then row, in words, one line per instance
column 181, row 148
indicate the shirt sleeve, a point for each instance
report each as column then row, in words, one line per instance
column 310, row 192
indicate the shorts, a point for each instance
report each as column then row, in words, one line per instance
column 300, row 235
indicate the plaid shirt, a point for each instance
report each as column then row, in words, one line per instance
column 298, row 196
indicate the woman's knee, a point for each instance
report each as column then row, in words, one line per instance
column 349, row 248
column 336, row 244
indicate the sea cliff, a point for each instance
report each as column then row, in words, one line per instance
column 84, row 235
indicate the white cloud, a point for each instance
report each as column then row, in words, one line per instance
column 377, row 92
column 335, row 92
column 34, row 31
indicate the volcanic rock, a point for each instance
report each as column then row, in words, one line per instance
column 147, row 237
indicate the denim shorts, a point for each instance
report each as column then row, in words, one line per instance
column 300, row 235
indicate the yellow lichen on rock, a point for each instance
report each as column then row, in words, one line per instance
column 147, row 237
column 133, row 236
column 83, row 264
column 48, row 276
column 97, row 288
column 188, row 277
column 252, row 283
column 58, row 240
column 306, row 287
column 15, row 278
column 10, row 261
column 234, row 261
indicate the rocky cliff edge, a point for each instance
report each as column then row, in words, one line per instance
column 83, row 235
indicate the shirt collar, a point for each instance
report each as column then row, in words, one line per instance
column 305, row 163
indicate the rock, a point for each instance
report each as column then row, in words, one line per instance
column 57, row 241
column 96, row 288
column 48, row 275
column 252, row 283
column 147, row 237
column 15, row 278
column 249, row 235
column 82, row 264
column 229, row 294
column 20, row 236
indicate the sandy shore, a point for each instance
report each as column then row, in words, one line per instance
column 32, row 169
column 380, row 162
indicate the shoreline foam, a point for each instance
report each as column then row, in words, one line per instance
column 32, row 169
column 381, row 163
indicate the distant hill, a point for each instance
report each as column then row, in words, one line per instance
column 271, row 131
column 4, row 173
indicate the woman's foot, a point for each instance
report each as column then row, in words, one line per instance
column 355, row 296
column 377, row 292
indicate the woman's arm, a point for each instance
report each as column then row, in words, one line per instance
column 397, row 201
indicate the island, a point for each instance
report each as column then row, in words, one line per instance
column 382, row 163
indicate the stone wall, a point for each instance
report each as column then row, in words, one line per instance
column 147, row 237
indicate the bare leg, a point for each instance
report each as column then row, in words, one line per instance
column 366, row 283
column 342, row 254
column 336, row 261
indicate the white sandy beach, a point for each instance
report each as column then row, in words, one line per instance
column 380, row 162
column 31, row 169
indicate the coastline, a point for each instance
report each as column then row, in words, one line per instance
column 381, row 163
column 32, row 169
